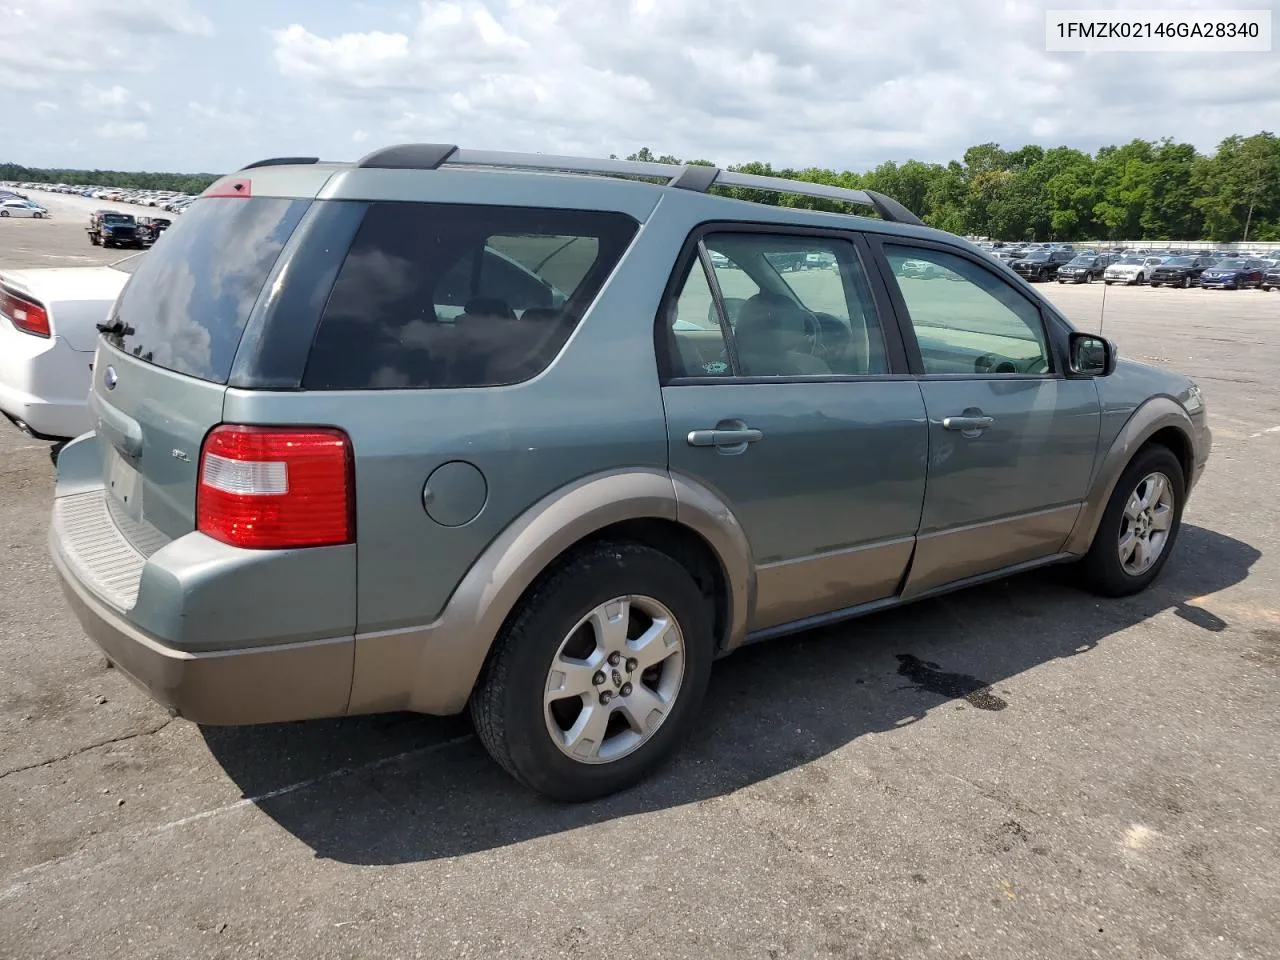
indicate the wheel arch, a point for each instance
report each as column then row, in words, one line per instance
column 433, row 669
column 1160, row 420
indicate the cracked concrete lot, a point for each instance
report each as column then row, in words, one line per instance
column 1018, row 771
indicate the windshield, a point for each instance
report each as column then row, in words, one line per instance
column 1182, row 262
column 1036, row 256
column 1230, row 264
column 117, row 218
column 1130, row 262
column 1082, row 262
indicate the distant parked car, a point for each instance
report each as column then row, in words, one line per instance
column 22, row 208
column 1271, row 278
column 1131, row 270
column 1233, row 274
column 150, row 228
column 1041, row 264
column 1082, row 269
column 1178, row 272
column 48, row 331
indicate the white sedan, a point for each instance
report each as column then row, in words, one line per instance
column 22, row 208
column 48, row 332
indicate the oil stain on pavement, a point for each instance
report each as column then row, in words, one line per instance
column 933, row 679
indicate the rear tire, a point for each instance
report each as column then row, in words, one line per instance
column 1141, row 515
column 569, row 624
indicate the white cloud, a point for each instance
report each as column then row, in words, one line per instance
column 836, row 82
column 221, row 115
column 114, row 100
column 46, row 108
column 40, row 40
column 121, row 130
column 360, row 136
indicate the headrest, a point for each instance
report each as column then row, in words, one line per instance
column 489, row 307
column 770, row 313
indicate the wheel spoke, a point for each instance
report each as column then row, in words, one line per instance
column 644, row 709
column 1162, row 519
column 1127, row 544
column 586, row 736
column 569, row 678
column 655, row 644
column 1141, row 553
column 609, row 622
column 1133, row 506
column 1155, row 490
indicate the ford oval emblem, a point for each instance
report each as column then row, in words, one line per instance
column 110, row 378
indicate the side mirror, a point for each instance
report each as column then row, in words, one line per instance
column 1091, row 355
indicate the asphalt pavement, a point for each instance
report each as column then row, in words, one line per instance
column 1021, row 770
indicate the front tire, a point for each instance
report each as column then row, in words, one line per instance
column 1140, row 526
column 599, row 675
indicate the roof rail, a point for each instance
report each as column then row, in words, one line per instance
column 281, row 162
column 696, row 177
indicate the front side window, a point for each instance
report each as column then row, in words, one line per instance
column 976, row 324
column 795, row 307
column 444, row 295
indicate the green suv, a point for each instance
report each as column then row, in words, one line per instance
column 541, row 437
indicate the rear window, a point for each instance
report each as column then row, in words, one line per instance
column 189, row 299
column 445, row 295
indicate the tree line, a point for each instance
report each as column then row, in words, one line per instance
column 1143, row 190
column 189, row 183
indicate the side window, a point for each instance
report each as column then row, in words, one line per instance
column 967, row 319
column 446, row 295
column 797, row 306
column 697, row 345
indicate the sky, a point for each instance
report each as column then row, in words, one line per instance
column 209, row 85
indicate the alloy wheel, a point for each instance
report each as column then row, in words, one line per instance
column 614, row 679
column 1145, row 524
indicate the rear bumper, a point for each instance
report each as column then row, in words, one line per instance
column 44, row 385
column 298, row 681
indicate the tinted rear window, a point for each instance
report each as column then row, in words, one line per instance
column 189, row 299
column 444, row 295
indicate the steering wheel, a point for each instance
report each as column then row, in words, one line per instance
column 994, row 363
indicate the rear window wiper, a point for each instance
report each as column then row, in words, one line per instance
column 116, row 327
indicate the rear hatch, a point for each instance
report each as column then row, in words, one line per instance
column 167, row 351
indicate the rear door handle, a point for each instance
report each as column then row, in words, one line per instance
column 724, row 438
column 967, row 424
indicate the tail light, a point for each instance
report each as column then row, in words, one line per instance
column 27, row 315
column 272, row 488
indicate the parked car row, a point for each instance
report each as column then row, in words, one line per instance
column 1163, row 270
column 170, row 200
column 1205, row 268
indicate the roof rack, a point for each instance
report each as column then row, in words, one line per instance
column 281, row 162
column 695, row 177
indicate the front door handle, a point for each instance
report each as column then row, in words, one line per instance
column 967, row 424
column 724, row 438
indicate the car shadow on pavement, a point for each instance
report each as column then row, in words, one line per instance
column 404, row 788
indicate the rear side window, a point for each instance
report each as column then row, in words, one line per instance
column 444, row 295
column 189, row 299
